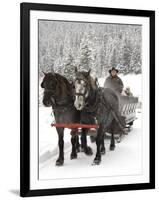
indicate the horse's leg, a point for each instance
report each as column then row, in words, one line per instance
column 103, row 145
column 74, row 144
column 83, row 140
column 60, row 159
column 109, row 121
column 112, row 141
column 77, row 144
column 85, row 148
column 97, row 159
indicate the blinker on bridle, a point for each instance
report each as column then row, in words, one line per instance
column 50, row 90
column 78, row 93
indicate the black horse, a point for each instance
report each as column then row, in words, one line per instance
column 103, row 104
column 58, row 93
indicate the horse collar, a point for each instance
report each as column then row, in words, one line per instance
column 92, row 107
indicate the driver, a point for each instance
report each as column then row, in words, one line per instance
column 113, row 81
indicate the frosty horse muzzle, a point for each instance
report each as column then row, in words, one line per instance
column 81, row 92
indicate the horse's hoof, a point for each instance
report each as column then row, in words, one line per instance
column 73, row 156
column 93, row 139
column 118, row 140
column 126, row 130
column 82, row 149
column 88, row 151
column 103, row 151
column 78, row 149
column 112, row 148
column 96, row 161
column 59, row 162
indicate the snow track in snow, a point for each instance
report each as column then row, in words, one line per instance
column 126, row 159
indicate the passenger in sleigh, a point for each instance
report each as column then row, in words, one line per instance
column 127, row 92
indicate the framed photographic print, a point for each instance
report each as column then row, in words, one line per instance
column 87, row 99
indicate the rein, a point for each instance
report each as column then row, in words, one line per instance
column 100, row 101
column 86, row 90
column 95, row 100
column 89, row 107
column 81, row 94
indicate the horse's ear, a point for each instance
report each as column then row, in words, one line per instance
column 96, row 81
column 76, row 70
column 89, row 71
column 53, row 72
column 52, row 69
column 44, row 73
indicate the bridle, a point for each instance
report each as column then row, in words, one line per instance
column 86, row 87
column 56, row 101
column 89, row 104
column 52, row 90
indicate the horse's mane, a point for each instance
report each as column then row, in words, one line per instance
column 63, row 84
column 61, row 78
column 92, row 81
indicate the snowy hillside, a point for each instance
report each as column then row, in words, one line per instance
column 64, row 45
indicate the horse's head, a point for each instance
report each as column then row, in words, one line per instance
column 83, row 85
column 49, row 85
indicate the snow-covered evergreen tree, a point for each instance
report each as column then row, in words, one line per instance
column 135, row 63
column 58, row 65
column 95, row 46
column 127, row 53
column 85, row 55
column 69, row 67
column 114, row 57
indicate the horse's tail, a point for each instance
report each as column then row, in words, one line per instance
column 118, row 119
column 115, row 115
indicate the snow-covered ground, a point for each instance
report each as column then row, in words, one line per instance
column 125, row 160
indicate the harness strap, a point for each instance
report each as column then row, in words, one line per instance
column 94, row 107
column 117, row 118
column 99, row 99
column 63, row 104
column 80, row 94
